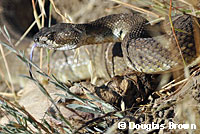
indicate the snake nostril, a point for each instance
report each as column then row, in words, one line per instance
column 36, row 39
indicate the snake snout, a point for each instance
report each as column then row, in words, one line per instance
column 40, row 34
column 44, row 38
column 62, row 36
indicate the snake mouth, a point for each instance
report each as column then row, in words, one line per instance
column 54, row 46
column 43, row 42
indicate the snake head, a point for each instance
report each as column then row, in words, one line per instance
column 62, row 36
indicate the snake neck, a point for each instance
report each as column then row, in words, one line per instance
column 114, row 28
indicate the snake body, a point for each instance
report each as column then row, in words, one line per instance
column 144, row 48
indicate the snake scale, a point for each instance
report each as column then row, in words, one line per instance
column 145, row 48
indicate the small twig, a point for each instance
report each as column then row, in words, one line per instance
column 35, row 14
column 169, row 83
column 174, row 34
column 3, row 77
column 185, row 2
column 175, row 84
column 48, row 51
column 10, row 95
column 140, row 10
column 8, row 71
column 58, row 12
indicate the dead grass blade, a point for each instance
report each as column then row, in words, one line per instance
column 140, row 10
column 175, row 37
column 59, row 13
column 8, row 70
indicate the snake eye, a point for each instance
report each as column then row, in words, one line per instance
column 50, row 36
column 120, row 33
column 36, row 39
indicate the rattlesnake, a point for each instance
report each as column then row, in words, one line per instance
column 145, row 49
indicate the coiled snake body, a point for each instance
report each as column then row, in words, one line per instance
column 145, row 48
